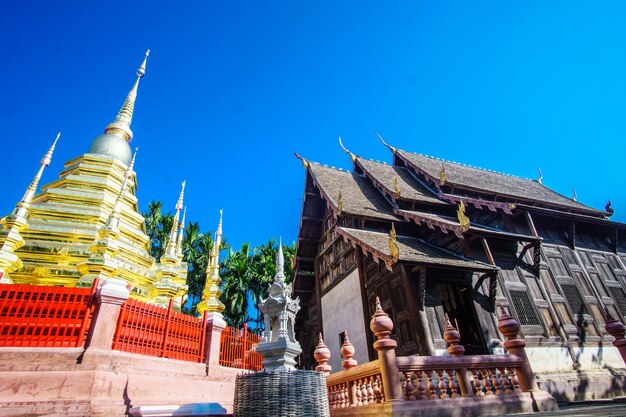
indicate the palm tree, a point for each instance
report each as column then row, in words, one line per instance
column 237, row 273
column 158, row 226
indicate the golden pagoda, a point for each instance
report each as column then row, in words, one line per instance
column 86, row 223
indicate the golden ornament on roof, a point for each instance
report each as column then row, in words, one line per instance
column 464, row 221
column 442, row 175
column 396, row 188
column 339, row 203
column 394, row 250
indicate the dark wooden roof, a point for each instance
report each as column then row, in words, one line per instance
column 411, row 250
column 482, row 180
column 410, row 188
column 358, row 196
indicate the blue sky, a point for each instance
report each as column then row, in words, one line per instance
column 233, row 88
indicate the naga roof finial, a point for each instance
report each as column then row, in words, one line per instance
column 391, row 148
column 305, row 163
column 540, row 179
column 575, row 196
column 352, row 156
column 121, row 125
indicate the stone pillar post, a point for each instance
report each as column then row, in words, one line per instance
column 215, row 325
column 381, row 325
column 515, row 345
column 347, row 352
column 109, row 298
column 452, row 336
column 616, row 329
column 322, row 356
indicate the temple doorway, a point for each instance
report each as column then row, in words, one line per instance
column 456, row 300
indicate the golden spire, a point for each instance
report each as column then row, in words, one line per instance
column 170, row 251
column 181, row 230
column 394, row 250
column 352, row 156
column 305, row 163
column 540, row 179
column 10, row 237
column 391, row 148
column 442, row 175
column 464, row 221
column 121, row 125
column 114, row 217
column 396, row 187
column 210, row 296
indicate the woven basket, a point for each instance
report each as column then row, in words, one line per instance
column 281, row 394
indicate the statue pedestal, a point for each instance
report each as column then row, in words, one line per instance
column 279, row 355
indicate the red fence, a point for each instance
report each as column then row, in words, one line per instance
column 37, row 316
column 236, row 349
column 152, row 330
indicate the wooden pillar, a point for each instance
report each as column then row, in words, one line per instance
column 424, row 334
column 109, row 299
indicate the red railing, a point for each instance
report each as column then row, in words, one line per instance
column 42, row 316
column 156, row 331
column 236, row 349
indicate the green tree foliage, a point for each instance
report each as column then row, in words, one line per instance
column 246, row 276
column 158, row 227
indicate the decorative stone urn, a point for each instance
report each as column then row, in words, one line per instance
column 279, row 346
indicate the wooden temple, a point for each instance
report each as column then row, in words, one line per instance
column 432, row 237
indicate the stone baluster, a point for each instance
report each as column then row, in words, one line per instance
column 432, row 389
column 505, row 381
column 322, row 356
column 486, row 381
column 516, row 345
column 408, row 387
column 358, row 396
column 616, row 329
column 421, row 389
column 347, row 352
column 443, row 387
column 370, row 390
column 378, row 395
column 381, row 325
column 345, row 398
column 453, row 338
column 364, row 397
column 454, row 387
column 478, row 386
column 497, row 381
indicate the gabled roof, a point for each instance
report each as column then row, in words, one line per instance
column 410, row 189
column 358, row 197
column 482, row 180
column 412, row 250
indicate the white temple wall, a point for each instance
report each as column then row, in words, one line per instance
column 342, row 310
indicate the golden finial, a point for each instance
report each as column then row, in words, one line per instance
column 464, row 221
column 179, row 203
column 574, row 197
column 113, row 220
column 391, row 148
column 170, row 251
column 442, row 175
column 210, row 296
column 396, row 187
column 305, row 163
column 394, row 250
column 339, row 203
column 352, row 156
column 181, row 230
column 540, row 179
column 121, row 125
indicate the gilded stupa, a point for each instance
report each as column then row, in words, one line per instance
column 86, row 224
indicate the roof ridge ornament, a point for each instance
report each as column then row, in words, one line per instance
column 391, row 148
column 305, row 163
column 352, row 156
column 394, row 250
column 464, row 221
column 574, row 196
column 609, row 208
column 121, row 124
column 540, row 179
column 442, row 175
column 396, row 187
column 339, row 203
